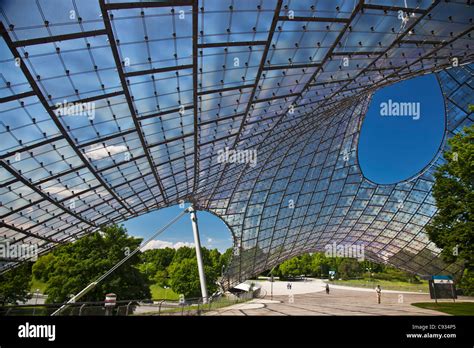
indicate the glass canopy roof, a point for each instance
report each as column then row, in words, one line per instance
column 110, row 110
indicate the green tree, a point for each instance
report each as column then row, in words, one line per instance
column 290, row 268
column 77, row 264
column 184, row 278
column 161, row 278
column 225, row 258
column 43, row 267
column 319, row 264
column 183, row 275
column 349, row 268
column 372, row 267
column 155, row 263
column 184, row 253
column 334, row 262
column 160, row 258
column 305, row 261
column 214, row 256
column 15, row 284
column 452, row 227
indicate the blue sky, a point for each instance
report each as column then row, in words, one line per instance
column 390, row 149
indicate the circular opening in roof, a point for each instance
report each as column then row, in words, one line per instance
column 402, row 131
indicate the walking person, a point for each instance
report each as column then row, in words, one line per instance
column 327, row 289
column 378, row 291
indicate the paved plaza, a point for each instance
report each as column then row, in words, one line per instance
column 309, row 298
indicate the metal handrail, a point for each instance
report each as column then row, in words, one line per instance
column 191, row 306
column 128, row 307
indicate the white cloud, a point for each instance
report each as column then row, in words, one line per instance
column 209, row 240
column 60, row 191
column 161, row 244
column 63, row 192
column 100, row 152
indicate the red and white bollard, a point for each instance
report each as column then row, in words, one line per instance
column 109, row 303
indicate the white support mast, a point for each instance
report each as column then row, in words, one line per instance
column 197, row 243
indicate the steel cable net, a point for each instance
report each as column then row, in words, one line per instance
column 111, row 110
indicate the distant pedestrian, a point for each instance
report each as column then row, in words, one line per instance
column 327, row 289
column 378, row 291
column 288, row 286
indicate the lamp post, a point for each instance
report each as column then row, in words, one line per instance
column 271, row 286
column 369, row 269
column 271, row 283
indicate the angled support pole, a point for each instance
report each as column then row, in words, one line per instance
column 197, row 243
column 92, row 285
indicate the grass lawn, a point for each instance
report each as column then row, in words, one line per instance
column 159, row 293
column 458, row 308
column 384, row 284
